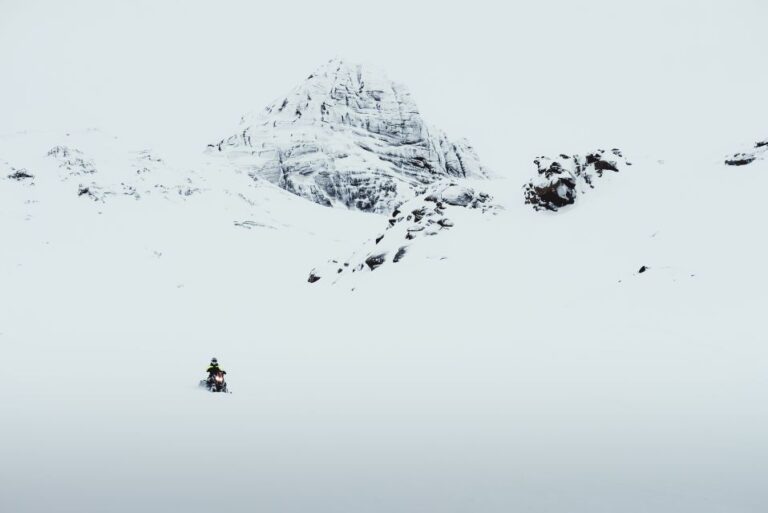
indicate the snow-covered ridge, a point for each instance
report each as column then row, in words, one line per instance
column 561, row 180
column 425, row 216
column 348, row 136
column 146, row 174
column 94, row 165
column 758, row 152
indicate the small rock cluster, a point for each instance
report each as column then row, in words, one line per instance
column 20, row 175
column 72, row 161
column 93, row 192
column 426, row 215
column 560, row 180
column 758, row 152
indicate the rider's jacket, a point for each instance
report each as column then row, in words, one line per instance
column 214, row 369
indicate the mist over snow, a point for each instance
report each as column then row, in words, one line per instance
column 542, row 76
column 471, row 258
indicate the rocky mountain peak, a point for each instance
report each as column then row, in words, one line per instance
column 343, row 93
column 348, row 136
column 359, row 95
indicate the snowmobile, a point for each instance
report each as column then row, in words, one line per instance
column 215, row 383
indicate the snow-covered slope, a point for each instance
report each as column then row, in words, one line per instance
column 48, row 177
column 426, row 216
column 511, row 353
column 476, row 355
column 347, row 136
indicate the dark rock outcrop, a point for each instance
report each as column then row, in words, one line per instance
column 20, row 175
column 375, row 261
column 559, row 181
column 758, row 152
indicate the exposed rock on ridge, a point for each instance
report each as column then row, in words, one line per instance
column 424, row 216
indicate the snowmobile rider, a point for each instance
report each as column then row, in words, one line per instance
column 214, row 369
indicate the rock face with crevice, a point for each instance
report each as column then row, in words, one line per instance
column 350, row 137
column 561, row 180
column 758, row 152
column 425, row 216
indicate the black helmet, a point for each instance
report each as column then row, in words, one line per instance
column 214, row 360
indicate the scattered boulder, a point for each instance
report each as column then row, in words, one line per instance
column 375, row 261
column 20, row 175
column 93, row 191
column 248, row 225
column 758, row 152
column 740, row 159
column 458, row 196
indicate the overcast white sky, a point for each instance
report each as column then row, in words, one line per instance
column 517, row 78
